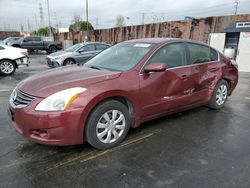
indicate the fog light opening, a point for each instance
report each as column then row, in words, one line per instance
column 40, row 133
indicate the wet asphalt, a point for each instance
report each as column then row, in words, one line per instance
column 196, row 148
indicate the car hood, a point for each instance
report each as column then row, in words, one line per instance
column 52, row 81
column 59, row 53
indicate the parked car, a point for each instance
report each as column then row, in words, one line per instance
column 11, row 58
column 36, row 43
column 76, row 54
column 10, row 40
column 125, row 85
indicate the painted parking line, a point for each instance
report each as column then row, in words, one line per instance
column 6, row 90
column 97, row 153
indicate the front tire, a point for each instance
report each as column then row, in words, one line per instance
column 107, row 125
column 220, row 95
column 69, row 62
column 7, row 67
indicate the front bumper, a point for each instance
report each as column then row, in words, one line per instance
column 52, row 63
column 51, row 128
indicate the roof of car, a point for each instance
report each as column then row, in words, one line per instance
column 155, row 40
column 163, row 40
column 95, row 43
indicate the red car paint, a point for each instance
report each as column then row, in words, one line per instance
column 151, row 95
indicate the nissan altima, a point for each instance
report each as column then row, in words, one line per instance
column 127, row 84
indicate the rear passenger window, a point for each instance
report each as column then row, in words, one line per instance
column 201, row 54
column 173, row 55
column 89, row 47
column 101, row 47
column 38, row 39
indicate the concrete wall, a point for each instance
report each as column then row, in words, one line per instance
column 197, row 29
column 5, row 34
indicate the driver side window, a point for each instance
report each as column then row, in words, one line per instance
column 173, row 55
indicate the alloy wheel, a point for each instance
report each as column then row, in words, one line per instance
column 7, row 67
column 221, row 94
column 110, row 126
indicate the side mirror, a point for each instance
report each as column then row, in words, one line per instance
column 155, row 67
column 81, row 50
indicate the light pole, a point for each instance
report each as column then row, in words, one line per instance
column 87, row 17
column 49, row 18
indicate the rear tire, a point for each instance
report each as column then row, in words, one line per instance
column 220, row 95
column 7, row 67
column 52, row 49
column 107, row 125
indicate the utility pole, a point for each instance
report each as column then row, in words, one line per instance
column 87, row 18
column 96, row 23
column 36, row 22
column 49, row 18
column 41, row 15
column 236, row 6
column 143, row 17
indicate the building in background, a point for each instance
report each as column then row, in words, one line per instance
column 235, row 39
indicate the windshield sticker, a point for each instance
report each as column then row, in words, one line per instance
column 142, row 45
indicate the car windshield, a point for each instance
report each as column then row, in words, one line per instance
column 121, row 57
column 74, row 48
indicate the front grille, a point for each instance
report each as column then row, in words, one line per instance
column 21, row 99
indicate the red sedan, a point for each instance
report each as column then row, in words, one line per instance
column 125, row 85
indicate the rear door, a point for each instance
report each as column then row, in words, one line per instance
column 206, row 70
column 37, row 43
column 170, row 90
column 101, row 47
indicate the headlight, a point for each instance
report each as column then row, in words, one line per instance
column 60, row 100
column 13, row 95
column 58, row 57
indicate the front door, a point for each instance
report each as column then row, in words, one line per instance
column 85, row 53
column 170, row 90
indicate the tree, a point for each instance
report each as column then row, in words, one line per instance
column 79, row 25
column 120, row 21
column 43, row 31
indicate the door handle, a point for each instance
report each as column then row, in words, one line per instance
column 184, row 76
column 213, row 69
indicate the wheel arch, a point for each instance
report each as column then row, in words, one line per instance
column 67, row 58
column 52, row 45
column 228, row 82
column 16, row 45
column 124, row 99
column 16, row 66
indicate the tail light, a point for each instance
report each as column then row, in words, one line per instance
column 234, row 63
column 25, row 53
